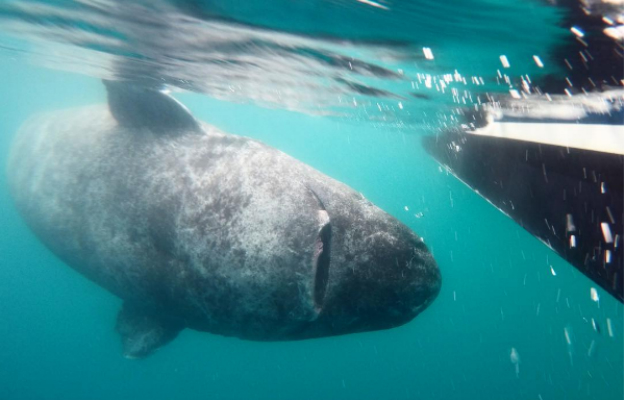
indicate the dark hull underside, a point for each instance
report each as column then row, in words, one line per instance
column 571, row 199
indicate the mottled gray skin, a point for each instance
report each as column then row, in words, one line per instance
column 194, row 228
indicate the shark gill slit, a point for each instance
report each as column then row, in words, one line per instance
column 322, row 265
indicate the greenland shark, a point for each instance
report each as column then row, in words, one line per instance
column 195, row 228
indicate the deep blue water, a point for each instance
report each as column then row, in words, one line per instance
column 499, row 292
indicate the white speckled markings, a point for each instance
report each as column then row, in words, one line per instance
column 212, row 232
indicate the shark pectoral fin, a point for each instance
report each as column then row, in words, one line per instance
column 136, row 106
column 143, row 332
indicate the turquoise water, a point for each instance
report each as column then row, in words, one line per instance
column 499, row 292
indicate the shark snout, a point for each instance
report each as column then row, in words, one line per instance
column 370, row 271
column 381, row 280
column 407, row 276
